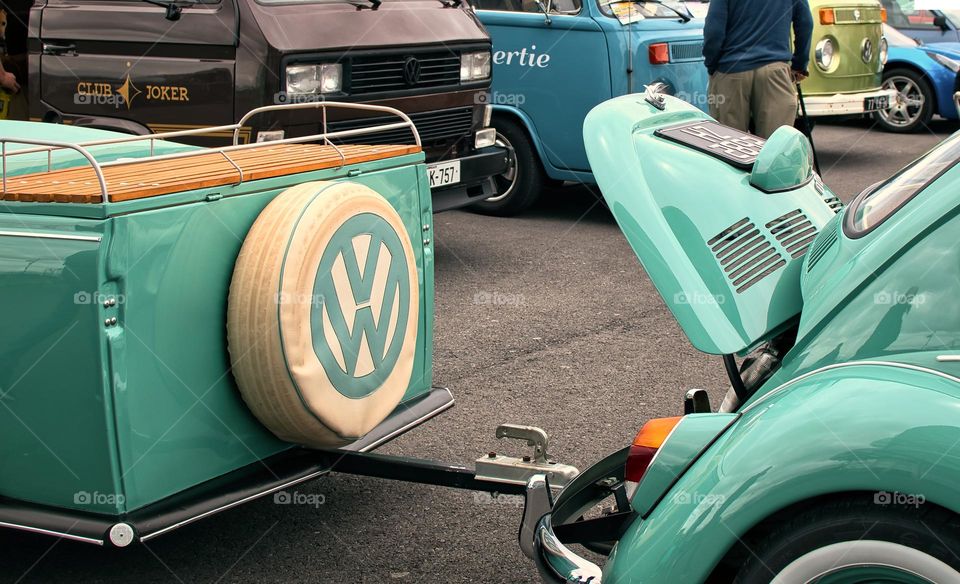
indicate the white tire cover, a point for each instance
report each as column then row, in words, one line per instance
column 323, row 313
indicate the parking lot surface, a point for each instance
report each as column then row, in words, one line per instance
column 545, row 319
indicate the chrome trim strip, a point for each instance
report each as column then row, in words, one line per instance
column 96, row 238
column 40, row 531
column 386, row 438
column 948, row 358
column 847, row 364
column 205, row 514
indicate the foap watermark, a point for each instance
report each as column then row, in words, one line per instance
column 498, row 299
column 684, row 498
column 500, row 98
column 97, row 297
column 498, row 499
column 701, row 98
column 297, row 498
column 98, row 498
column 698, row 299
column 282, row 97
column 296, row 298
column 111, row 99
column 893, row 297
column 897, row 498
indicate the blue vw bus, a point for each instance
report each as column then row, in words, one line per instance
column 554, row 60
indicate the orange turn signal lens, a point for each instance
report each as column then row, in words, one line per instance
column 827, row 16
column 659, row 53
column 648, row 440
column 655, row 432
column 883, row 14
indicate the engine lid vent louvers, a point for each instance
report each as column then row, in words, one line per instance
column 821, row 247
column 829, row 198
column 794, row 231
column 745, row 254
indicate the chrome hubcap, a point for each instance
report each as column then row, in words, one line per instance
column 907, row 106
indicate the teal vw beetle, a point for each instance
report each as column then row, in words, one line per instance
column 835, row 454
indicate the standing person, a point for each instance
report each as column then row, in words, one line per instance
column 753, row 71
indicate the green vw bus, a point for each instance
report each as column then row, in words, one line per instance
column 847, row 55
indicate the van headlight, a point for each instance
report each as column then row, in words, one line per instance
column 314, row 79
column 824, row 54
column 475, row 66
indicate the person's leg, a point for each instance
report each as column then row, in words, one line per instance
column 729, row 98
column 774, row 98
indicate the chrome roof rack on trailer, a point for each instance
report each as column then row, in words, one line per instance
column 50, row 146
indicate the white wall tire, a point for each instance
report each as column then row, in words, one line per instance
column 866, row 555
column 322, row 348
column 859, row 538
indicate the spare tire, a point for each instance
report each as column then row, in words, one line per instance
column 323, row 313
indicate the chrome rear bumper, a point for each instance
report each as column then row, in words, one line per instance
column 555, row 561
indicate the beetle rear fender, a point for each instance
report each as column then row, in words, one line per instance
column 881, row 428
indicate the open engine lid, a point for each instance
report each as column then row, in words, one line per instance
column 720, row 219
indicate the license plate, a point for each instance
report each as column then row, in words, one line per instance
column 444, row 173
column 872, row 104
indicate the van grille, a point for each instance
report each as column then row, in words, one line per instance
column 377, row 73
column 821, row 247
column 435, row 126
column 745, row 254
column 849, row 15
column 686, row 51
column 794, row 231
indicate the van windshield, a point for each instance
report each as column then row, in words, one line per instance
column 886, row 199
column 634, row 10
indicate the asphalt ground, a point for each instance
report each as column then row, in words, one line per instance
column 545, row 319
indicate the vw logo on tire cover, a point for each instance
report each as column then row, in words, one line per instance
column 363, row 291
column 324, row 313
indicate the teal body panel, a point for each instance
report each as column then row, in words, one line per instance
column 676, row 221
column 535, row 64
column 853, row 428
column 127, row 415
column 890, row 294
column 687, row 441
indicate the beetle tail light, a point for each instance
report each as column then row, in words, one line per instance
column 644, row 448
column 827, row 16
column 659, row 53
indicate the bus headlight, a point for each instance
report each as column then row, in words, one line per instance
column 824, row 54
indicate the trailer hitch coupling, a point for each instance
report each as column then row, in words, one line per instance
column 517, row 471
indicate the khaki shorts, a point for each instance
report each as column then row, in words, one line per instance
column 767, row 94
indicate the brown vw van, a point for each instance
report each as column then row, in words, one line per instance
column 142, row 66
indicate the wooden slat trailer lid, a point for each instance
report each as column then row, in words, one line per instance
column 150, row 177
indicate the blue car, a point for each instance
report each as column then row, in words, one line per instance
column 925, row 78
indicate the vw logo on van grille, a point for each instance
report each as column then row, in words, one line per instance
column 866, row 50
column 411, row 71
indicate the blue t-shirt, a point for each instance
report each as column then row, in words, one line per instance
column 740, row 35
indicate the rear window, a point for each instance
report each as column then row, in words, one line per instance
column 875, row 206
